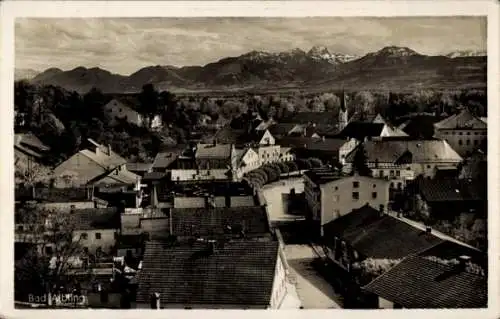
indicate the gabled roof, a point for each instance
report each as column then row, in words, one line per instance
column 215, row 221
column 281, row 129
column 451, row 190
column 462, row 120
column 323, row 176
column 241, row 274
column 432, row 280
column 29, row 139
column 104, row 158
column 379, row 236
column 163, row 160
column 114, row 177
column 95, row 218
column 313, row 143
column 388, row 151
column 215, row 151
column 139, row 167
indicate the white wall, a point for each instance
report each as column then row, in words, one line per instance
column 462, row 140
column 279, row 284
column 106, row 242
column 117, row 109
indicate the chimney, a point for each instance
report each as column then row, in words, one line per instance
column 155, row 300
column 462, row 261
column 381, row 210
column 109, row 149
column 428, row 229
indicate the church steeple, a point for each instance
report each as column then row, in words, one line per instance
column 343, row 116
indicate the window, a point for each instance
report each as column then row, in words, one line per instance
column 475, row 142
column 97, row 235
column 374, row 195
column 336, row 188
column 398, row 173
column 468, row 142
column 476, row 133
column 392, row 185
column 355, row 184
column 355, row 195
column 20, row 228
column 468, row 133
column 121, row 109
column 459, row 142
column 336, row 198
column 83, row 236
column 337, row 213
column 381, row 173
column 460, row 133
column 428, row 166
column 392, row 173
column 374, row 185
column 48, row 250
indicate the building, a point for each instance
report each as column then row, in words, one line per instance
column 403, row 160
column 329, row 150
column 212, row 275
column 95, row 228
column 464, row 131
column 286, row 154
column 331, row 194
column 139, row 168
column 126, row 108
column 28, row 148
column 166, row 160
column 447, row 275
column 86, row 165
column 231, row 194
column 246, row 160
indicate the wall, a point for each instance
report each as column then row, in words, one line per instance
column 268, row 154
column 337, row 197
column 267, row 139
column 347, row 148
column 242, row 201
column 385, row 304
column 251, row 160
column 457, row 138
column 279, row 284
column 189, row 202
column 157, row 225
column 312, row 195
column 66, row 206
column 116, row 109
column 107, row 241
column 80, row 168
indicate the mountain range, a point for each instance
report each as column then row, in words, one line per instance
column 395, row 68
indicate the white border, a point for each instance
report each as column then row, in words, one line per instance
column 12, row 9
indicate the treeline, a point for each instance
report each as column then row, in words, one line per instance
column 64, row 119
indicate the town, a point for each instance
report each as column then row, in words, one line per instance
column 337, row 208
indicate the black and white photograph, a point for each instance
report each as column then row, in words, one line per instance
column 250, row 162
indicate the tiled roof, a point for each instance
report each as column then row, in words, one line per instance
column 139, row 167
column 103, row 159
column 464, row 119
column 422, row 151
column 219, row 151
column 114, row 177
column 438, row 190
column 207, row 221
column 312, row 117
column 429, row 281
column 323, row 176
column 163, row 160
column 95, row 218
column 376, row 236
column 241, row 274
column 313, row 143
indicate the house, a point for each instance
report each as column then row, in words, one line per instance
column 403, row 160
column 445, row 199
column 95, row 228
column 286, row 154
column 61, row 199
column 367, row 232
column 139, row 168
column 246, row 160
column 87, row 164
column 212, row 275
column 127, row 109
column 419, row 126
column 331, row 194
column 27, row 147
column 364, row 130
column 150, row 222
column 119, row 176
column 205, row 195
column 464, row 131
column 327, row 149
column 447, row 275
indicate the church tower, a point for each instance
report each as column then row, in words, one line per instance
column 343, row 117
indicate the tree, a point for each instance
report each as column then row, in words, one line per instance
column 149, row 101
column 284, row 168
column 292, row 166
column 315, row 162
column 360, row 162
column 364, row 102
column 37, row 270
column 31, row 173
column 272, row 173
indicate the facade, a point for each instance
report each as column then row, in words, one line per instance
column 331, row 195
column 124, row 109
column 247, row 160
column 403, row 160
column 464, row 132
column 95, row 229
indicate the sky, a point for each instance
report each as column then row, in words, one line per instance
column 124, row 45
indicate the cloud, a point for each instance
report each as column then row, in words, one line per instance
column 123, row 45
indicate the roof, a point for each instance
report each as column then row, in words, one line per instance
column 104, row 158
column 323, row 176
column 360, row 130
column 129, row 101
column 449, row 190
column 29, row 139
column 95, row 218
column 462, row 120
column 420, row 126
column 313, row 143
column 229, row 135
column 216, row 189
column 430, row 280
column 114, row 177
column 202, row 221
column 139, row 167
column 312, row 117
column 215, row 151
column 164, row 160
column 180, row 175
column 364, row 118
column 418, row 151
column 379, row 236
column 153, row 176
column 281, row 129
column 240, row 273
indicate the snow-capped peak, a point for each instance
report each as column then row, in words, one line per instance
column 322, row 53
column 394, row 51
column 465, row 53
